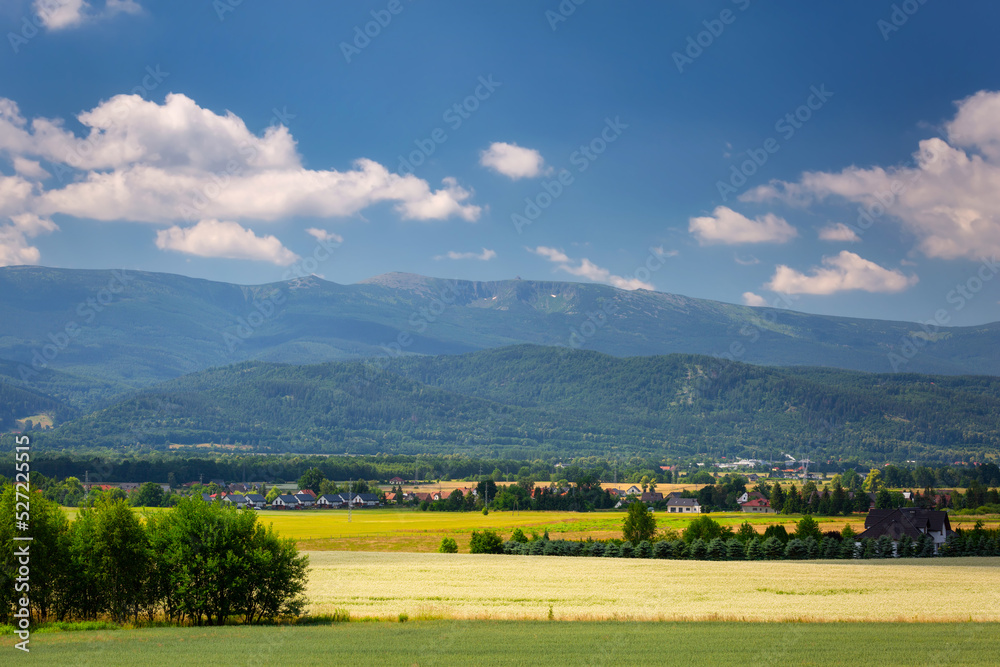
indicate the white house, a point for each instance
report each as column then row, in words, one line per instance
column 285, row 503
column 256, row 501
column 305, row 500
column 330, row 500
column 683, row 506
column 239, row 500
column 633, row 491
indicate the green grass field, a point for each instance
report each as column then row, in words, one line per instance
column 527, row 643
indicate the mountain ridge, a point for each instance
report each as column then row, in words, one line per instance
column 129, row 329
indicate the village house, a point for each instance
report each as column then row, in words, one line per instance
column 758, row 506
column 651, row 497
column 286, row 502
column 306, row 499
column 396, row 481
column 633, row 491
column 907, row 521
column 256, row 501
column 683, row 506
column 235, row 499
column 329, row 501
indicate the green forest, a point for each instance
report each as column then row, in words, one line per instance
column 526, row 402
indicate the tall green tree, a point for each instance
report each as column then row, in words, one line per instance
column 121, row 550
column 639, row 524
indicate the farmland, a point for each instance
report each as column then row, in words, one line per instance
column 466, row 586
column 531, row 643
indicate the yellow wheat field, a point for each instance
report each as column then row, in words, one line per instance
column 525, row 587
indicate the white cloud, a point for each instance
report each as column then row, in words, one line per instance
column 660, row 251
column 176, row 162
column 30, row 169
column 513, row 161
column 65, row 14
column 727, row 226
column 948, row 197
column 484, row 256
column 21, row 226
column 212, row 238
column 751, row 299
column 838, row 232
column 840, row 273
column 323, row 235
column 587, row 269
column 749, row 260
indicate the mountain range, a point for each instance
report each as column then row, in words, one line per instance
column 119, row 330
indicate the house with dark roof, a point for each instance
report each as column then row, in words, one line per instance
column 256, row 501
column 683, row 506
column 330, row 500
column 395, row 481
column 305, row 499
column 910, row 521
column 237, row 499
column 285, row 503
column 651, row 497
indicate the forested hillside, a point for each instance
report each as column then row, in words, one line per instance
column 528, row 401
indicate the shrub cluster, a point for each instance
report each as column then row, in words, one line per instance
column 199, row 563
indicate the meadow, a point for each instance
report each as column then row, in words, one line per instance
column 532, row 643
column 487, row 587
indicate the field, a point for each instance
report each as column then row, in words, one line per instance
column 466, row 586
column 408, row 530
column 529, row 643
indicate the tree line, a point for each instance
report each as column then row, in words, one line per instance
column 706, row 539
column 199, row 564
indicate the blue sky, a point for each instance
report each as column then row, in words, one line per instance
column 206, row 138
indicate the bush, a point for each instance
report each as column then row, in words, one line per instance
column 448, row 546
column 662, row 549
column 518, row 536
column 773, row 548
column 611, row 550
column 715, row 549
column 795, row 549
column 697, row 549
column 486, row 542
column 644, row 550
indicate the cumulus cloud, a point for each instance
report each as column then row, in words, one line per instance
column 840, row 273
column 729, row 227
column 323, row 235
column 64, row 14
column 749, row 260
column 751, row 299
column 587, row 269
column 513, row 161
column 838, row 232
column 214, row 238
column 20, row 225
column 948, row 196
column 484, row 256
column 177, row 162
